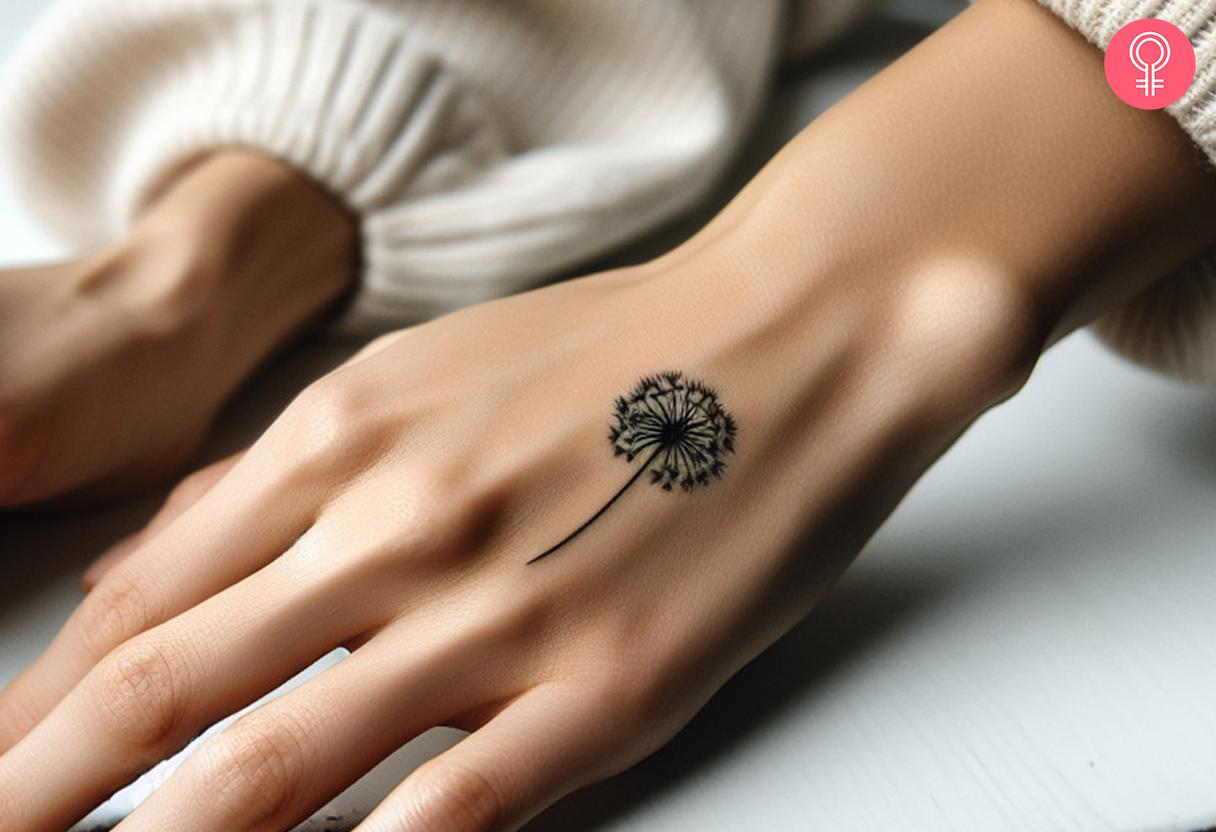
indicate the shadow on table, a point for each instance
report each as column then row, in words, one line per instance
column 895, row 580
column 1190, row 436
column 789, row 672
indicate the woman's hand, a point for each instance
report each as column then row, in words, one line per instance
column 863, row 300
column 113, row 366
column 395, row 506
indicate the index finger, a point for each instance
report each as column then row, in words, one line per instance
column 238, row 526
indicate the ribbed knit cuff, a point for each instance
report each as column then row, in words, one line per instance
column 1172, row 326
column 334, row 87
column 484, row 145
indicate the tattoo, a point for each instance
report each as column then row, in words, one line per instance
column 680, row 430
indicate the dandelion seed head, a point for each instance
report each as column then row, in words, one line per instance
column 678, row 425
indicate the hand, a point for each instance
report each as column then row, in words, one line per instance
column 113, row 366
column 394, row 508
column 850, row 326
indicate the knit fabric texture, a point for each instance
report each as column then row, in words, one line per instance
column 485, row 145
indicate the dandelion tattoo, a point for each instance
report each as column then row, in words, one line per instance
column 679, row 429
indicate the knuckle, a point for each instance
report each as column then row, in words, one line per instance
column 381, row 342
column 628, row 697
column 630, row 719
column 118, row 608
column 189, row 490
column 455, row 798
column 329, row 401
column 142, row 687
column 252, row 770
column 463, row 512
column 322, row 423
column 634, row 684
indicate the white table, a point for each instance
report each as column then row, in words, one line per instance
column 1029, row 643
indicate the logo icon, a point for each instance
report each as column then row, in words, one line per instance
column 1150, row 83
column 1150, row 63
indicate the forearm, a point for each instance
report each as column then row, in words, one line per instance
column 250, row 252
column 993, row 166
column 141, row 343
column 892, row 273
column 900, row 266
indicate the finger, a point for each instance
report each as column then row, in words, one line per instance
column 152, row 694
column 542, row 746
column 187, row 492
column 241, row 524
column 278, row 764
column 109, row 558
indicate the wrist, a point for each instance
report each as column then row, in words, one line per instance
column 938, row 338
column 991, row 202
column 239, row 250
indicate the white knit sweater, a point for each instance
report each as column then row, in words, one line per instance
column 485, row 144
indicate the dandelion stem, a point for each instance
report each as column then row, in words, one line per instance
column 603, row 508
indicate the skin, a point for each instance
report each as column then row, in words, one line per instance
column 241, row 252
column 890, row 275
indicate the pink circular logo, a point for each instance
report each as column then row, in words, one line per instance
column 1150, row 63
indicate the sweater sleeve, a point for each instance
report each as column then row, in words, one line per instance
column 1171, row 326
column 484, row 145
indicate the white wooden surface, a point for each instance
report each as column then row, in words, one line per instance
column 1028, row 644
